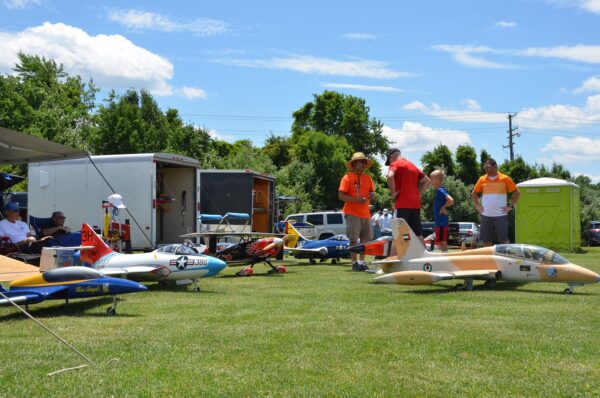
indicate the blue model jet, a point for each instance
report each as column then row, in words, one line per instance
column 67, row 283
column 334, row 248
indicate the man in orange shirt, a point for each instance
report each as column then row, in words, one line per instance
column 356, row 190
column 494, row 188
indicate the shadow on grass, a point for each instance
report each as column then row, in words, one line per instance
column 500, row 287
column 156, row 288
column 73, row 308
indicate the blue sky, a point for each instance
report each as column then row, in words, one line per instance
column 431, row 71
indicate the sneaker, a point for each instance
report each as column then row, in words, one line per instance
column 355, row 266
column 363, row 267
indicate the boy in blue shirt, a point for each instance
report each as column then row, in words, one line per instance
column 441, row 201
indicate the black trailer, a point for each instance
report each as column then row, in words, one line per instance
column 239, row 191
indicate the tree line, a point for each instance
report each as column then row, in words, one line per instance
column 42, row 99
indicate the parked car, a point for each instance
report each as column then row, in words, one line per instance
column 326, row 223
column 468, row 232
column 591, row 233
column 427, row 228
column 454, row 236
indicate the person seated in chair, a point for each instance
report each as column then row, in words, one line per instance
column 19, row 233
column 55, row 226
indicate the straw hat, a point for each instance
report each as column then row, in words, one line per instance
column 359, row 156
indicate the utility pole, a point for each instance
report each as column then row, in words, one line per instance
column 511, row 134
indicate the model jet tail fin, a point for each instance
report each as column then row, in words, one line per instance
column 408, row 245
column 99, row 248
column 293, row 236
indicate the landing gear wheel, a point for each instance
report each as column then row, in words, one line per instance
column 197, row 289
column 111, row 311
column 162, row 283
column 312, row 261
column 246, row 272
column 568, row 291
column 333, row 261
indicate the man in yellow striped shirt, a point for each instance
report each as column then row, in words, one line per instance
column 494, row 188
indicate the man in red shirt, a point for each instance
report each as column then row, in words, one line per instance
column 406, row 182
column 356, row 190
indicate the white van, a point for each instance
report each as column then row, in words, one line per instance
column 327, row 223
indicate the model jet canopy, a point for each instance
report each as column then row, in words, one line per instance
column 530, row 252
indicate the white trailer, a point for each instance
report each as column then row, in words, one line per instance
column 161, row 192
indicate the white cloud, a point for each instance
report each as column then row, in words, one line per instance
column 463, row 54
column 414, row 137
column 573, row 150
column 595, row 178
column 471, row 104
column 560, row 116
column 473, row 113
column 592, row 84
column 112, row 61
column 192, row 92
column 592, row 6
column 359, row 36
column 20, row 4
column 323, row 66
column 505, row 24
column 138, row 19
column 216, row 135
column 362, row 87
column 579, row 53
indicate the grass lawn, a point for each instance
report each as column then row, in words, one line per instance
column 315, row 331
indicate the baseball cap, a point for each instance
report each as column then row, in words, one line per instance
column 116, row 200
column 389, row 153
column 12, row 206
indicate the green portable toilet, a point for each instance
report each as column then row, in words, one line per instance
column 547, row 214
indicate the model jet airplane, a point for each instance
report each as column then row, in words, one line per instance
column 179, row 263
column 334, row 248
column 67, row 283
column 414, row 265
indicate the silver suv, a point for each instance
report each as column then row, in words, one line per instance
column 327, row 223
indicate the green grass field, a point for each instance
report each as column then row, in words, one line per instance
column 315, row 331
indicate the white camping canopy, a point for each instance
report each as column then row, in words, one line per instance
column 18, row 148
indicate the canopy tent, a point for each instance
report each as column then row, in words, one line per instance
column 16, row 148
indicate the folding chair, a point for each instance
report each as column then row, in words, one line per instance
column 235, row 216
column 37, row 222
column 208, row 218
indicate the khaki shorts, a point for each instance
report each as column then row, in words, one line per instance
column 358, row 228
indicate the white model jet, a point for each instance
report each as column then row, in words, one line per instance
column 178, row 262
column 414, row 265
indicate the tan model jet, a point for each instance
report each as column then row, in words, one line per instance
column 414, row 265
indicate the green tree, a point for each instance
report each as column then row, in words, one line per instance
column 245, row 156
column 130, row 123
column 462, row 210
column 439, row 157
column 483, row 156
column 341, row 115
column 278, row 149
column 518, row 170
column 298, row 179
column 189, row 140
column 327, row 155
column 467, row 167
column 41, row 99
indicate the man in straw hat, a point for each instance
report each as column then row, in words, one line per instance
column 357, row 190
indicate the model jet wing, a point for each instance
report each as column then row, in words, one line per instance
column 474, row 274
column 428, row 278
column 317, row 250
column 32, row 297
column 138, row 272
